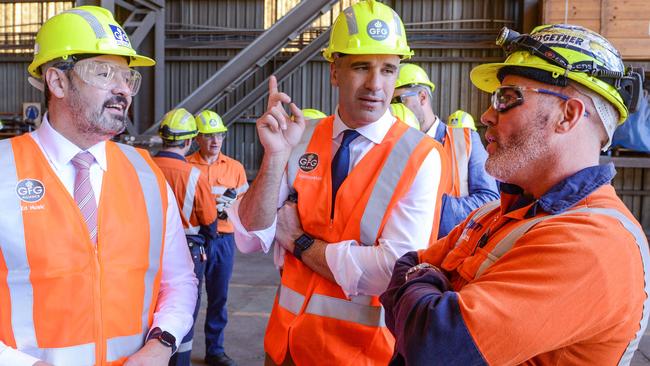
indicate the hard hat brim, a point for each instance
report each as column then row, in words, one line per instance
column 134, row 60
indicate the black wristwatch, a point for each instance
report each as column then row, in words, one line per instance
column 164, row 337
column 301, row 244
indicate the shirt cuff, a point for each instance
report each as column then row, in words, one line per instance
column 346, row 275
column 250, row 241
column 11, row 356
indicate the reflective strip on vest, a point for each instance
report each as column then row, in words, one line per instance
column 341, row 309
column 478, row 214
column 462, row 159
column 14, row 251
column 290, row 299
column 508, row 242
column 218, row 190
column 357, row 310
column 92, row 21
column 123, row 346
column 190, row 191
column 185, row 346
column 389, row 177
column 351, row 21
column 300, row 149
column 242, row 189
column 192, row 230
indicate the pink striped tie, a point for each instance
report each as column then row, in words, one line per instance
column 83, row 191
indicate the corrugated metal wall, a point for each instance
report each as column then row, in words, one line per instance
column 309, row 86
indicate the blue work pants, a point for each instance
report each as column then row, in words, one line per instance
column 218, row 270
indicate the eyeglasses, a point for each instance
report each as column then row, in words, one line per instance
column 218, row 135
column 105, row 75
column 400, row 98
column 507, row 97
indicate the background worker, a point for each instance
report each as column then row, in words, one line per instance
column 404, row 114
column 470, row 186
column 195, row 201
column 228, row 181
column 461, row 119
column 558, row 271
column 365, row 196
column 310, row 113
column 95, row 268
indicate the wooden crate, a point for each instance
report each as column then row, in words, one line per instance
column 625, row 23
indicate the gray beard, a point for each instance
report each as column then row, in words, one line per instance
column 94, row 122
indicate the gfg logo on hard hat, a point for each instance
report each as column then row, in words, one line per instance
column 378, row 30
column 120, row 36
column 30, row 190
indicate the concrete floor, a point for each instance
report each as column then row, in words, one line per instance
column 250, row 300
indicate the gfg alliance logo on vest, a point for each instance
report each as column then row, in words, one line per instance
column 378, row 30
column 308, row 162
column 30, row 190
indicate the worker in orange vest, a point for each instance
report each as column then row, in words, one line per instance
column 194, row 199
column 227, row 179
column 469, row 185
column 94, row 267
column 558, row 271
column 366, row 188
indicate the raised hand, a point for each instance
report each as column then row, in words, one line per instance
column 278, row 131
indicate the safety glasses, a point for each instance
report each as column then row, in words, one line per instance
column 105, row 75
column 400, row 98
column 507, row 97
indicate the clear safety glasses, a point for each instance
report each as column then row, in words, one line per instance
column 507, row 97
column 400, row 98
column 105, row 75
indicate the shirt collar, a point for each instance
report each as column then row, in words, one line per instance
column 170, row 155
column 59, row 150
column 434, row 129
column 561, row 196
column 375, row 131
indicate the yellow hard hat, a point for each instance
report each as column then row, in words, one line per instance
column 368, row 28
column 412, row 74
column 566, row 51
column 404, row 114
column 178, row 124
column 82, row 30
column 313, row 114
column 461, row 119
column 210, row 122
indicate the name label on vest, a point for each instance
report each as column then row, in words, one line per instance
column 30, row 190
column 308, row 162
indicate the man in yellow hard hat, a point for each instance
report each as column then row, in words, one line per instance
column 557, row 272
column 95, row 267
column 470, row 186
column 366, row 188
column 195, row 202
column 227, row 178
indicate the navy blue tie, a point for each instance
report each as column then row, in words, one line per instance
column 341, row 162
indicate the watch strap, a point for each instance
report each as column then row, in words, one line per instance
column 301, row 244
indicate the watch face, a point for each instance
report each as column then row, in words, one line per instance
column 304, row 241
column 168, row 338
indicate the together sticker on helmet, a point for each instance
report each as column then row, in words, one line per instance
column 120, row 36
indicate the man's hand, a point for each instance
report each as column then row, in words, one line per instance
column 153, row 353
column 278, row 132
column 288, row 227
column 223, row 202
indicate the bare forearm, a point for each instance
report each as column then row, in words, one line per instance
column 315, row 259
column 258, row 207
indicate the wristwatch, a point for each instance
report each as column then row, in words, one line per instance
column 301, row 244
column 164, row 337
column 419, row 267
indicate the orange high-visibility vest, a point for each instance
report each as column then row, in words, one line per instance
column 458, row 147
column 63, row 299
column 192, row 192
column 311, row 316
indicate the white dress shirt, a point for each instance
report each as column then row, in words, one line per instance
column 178, row 285
column 360, row 269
